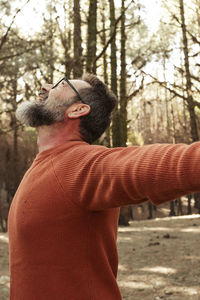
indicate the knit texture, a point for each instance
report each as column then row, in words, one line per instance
column 63, row 219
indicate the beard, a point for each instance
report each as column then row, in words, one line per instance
column 36, row 114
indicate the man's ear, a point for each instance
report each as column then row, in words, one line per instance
column 77, row 110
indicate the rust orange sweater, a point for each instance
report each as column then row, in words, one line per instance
column 63, row 219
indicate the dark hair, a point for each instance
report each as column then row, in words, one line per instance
column 101, row 101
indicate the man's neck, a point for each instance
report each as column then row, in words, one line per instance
column 57, row 134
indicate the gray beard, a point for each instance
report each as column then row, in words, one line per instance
column 35, row 114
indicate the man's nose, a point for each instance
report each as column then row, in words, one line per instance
column 47, row 87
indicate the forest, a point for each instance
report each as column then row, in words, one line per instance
column 149, row 55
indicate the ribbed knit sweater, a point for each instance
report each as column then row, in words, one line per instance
column 63, row 219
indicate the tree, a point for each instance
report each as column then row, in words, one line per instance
column 123, row 95
column 92, row 37
column 114, row 83
column 78, row 61
column 190, row 101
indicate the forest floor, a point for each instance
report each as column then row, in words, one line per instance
column 158, row 259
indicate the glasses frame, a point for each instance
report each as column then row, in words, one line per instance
column 72, row 87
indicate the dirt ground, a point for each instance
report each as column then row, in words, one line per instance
column 158, row 259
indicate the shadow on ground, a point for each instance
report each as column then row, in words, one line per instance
column 160, row 259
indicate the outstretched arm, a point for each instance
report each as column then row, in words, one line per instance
column 115, row 177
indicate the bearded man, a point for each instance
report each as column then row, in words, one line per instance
column 63, row 219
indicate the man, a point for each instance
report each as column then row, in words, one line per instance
column 63, row 219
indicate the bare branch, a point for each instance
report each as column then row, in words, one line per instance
column 180, row 70
column 110, row 40
column 62, row 37
column 17, row 54
column 194, row 38
column 164, row 84
column 113, row 34
column 4, row 38
column 136, row 91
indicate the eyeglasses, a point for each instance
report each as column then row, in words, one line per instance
column 73, row 88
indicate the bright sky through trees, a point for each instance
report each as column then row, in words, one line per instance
column 30, row 18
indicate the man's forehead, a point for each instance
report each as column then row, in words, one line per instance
column 79, row 84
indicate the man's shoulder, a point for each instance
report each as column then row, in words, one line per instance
column 81, row 147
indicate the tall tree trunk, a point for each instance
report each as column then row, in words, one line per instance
column 66, row 37
column 185, row 130
column 173, row 125
column 105, row 69
column 103, row 40
column 77, row 39
column 51, row 44
column 92, row 37
column 180, row 207
column 150, row 209
column 15, row 152
column 197, row 8
column 113, row 61
column 190, row 102
column 197, row 201
column 172, row 209
column 189, row 207
column 166, row 99
column 172, row 203
column 113, row 56
column 123, row 95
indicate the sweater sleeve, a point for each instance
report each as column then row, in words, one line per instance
column 110, row 178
